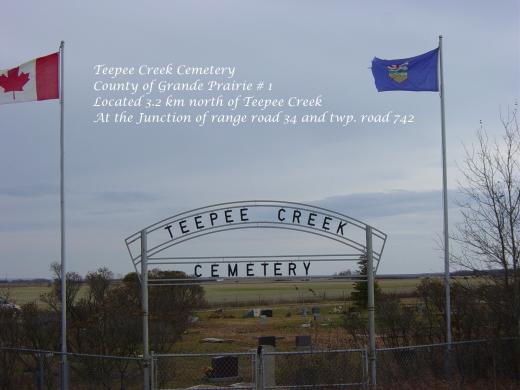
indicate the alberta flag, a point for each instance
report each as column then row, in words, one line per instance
column 407, row 74
column 34, row 80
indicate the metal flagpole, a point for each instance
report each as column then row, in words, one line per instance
column 445, row 204
column 64, row 368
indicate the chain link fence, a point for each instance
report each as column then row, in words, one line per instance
column 204, row 370
column 39, row 369
column 470, row 364
column 481, row 364
column 261, row 368
column 330, row 369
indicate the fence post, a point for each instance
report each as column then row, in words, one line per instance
column 40, row 371
column 253, row 368
column 448, row 357
column 152, row 371
column 371, row 308
column 259, row 369
column 364, row 358
column 64, row 372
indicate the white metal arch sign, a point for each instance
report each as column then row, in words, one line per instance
column 254, row 215
column 144, row 246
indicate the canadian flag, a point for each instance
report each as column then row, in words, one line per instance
column 34, row 80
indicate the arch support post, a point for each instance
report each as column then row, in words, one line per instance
column 371, row 309
column 144, row 307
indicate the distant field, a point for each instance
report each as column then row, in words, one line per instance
column 25, row 293
column 246, row 294
column 272, row 292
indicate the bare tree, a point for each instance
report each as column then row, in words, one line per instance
column 73, row 285
column 489, row 234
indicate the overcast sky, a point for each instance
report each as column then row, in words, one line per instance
column 121, row 178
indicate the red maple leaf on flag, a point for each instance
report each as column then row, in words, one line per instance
column 13, row 81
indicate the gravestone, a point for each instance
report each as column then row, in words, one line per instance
column 224, row 367
column 303, row 342
column 267, row 340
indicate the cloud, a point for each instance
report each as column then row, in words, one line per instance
column 387, row 204
column 29, row 190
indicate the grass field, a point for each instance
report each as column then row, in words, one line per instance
column 301, row 292
column 246, row 294
column 286, row 323
column 24, row 293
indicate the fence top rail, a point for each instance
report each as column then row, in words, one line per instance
column 253, row 353
column 316, row 385
column 453, row 343
column 248, row 353
column 313, row 351
column 48, row 352
column 215, row 387
column 202, row 354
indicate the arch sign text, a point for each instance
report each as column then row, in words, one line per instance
column 253, row 215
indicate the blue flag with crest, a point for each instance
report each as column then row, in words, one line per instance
column 407, row 74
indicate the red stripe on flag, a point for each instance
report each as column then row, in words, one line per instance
column 47, row 77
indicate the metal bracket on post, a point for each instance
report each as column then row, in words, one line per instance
column 371, row 309
column 144, row 305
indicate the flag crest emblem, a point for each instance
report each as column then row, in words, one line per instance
column 417, row 73
column 398, row 73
